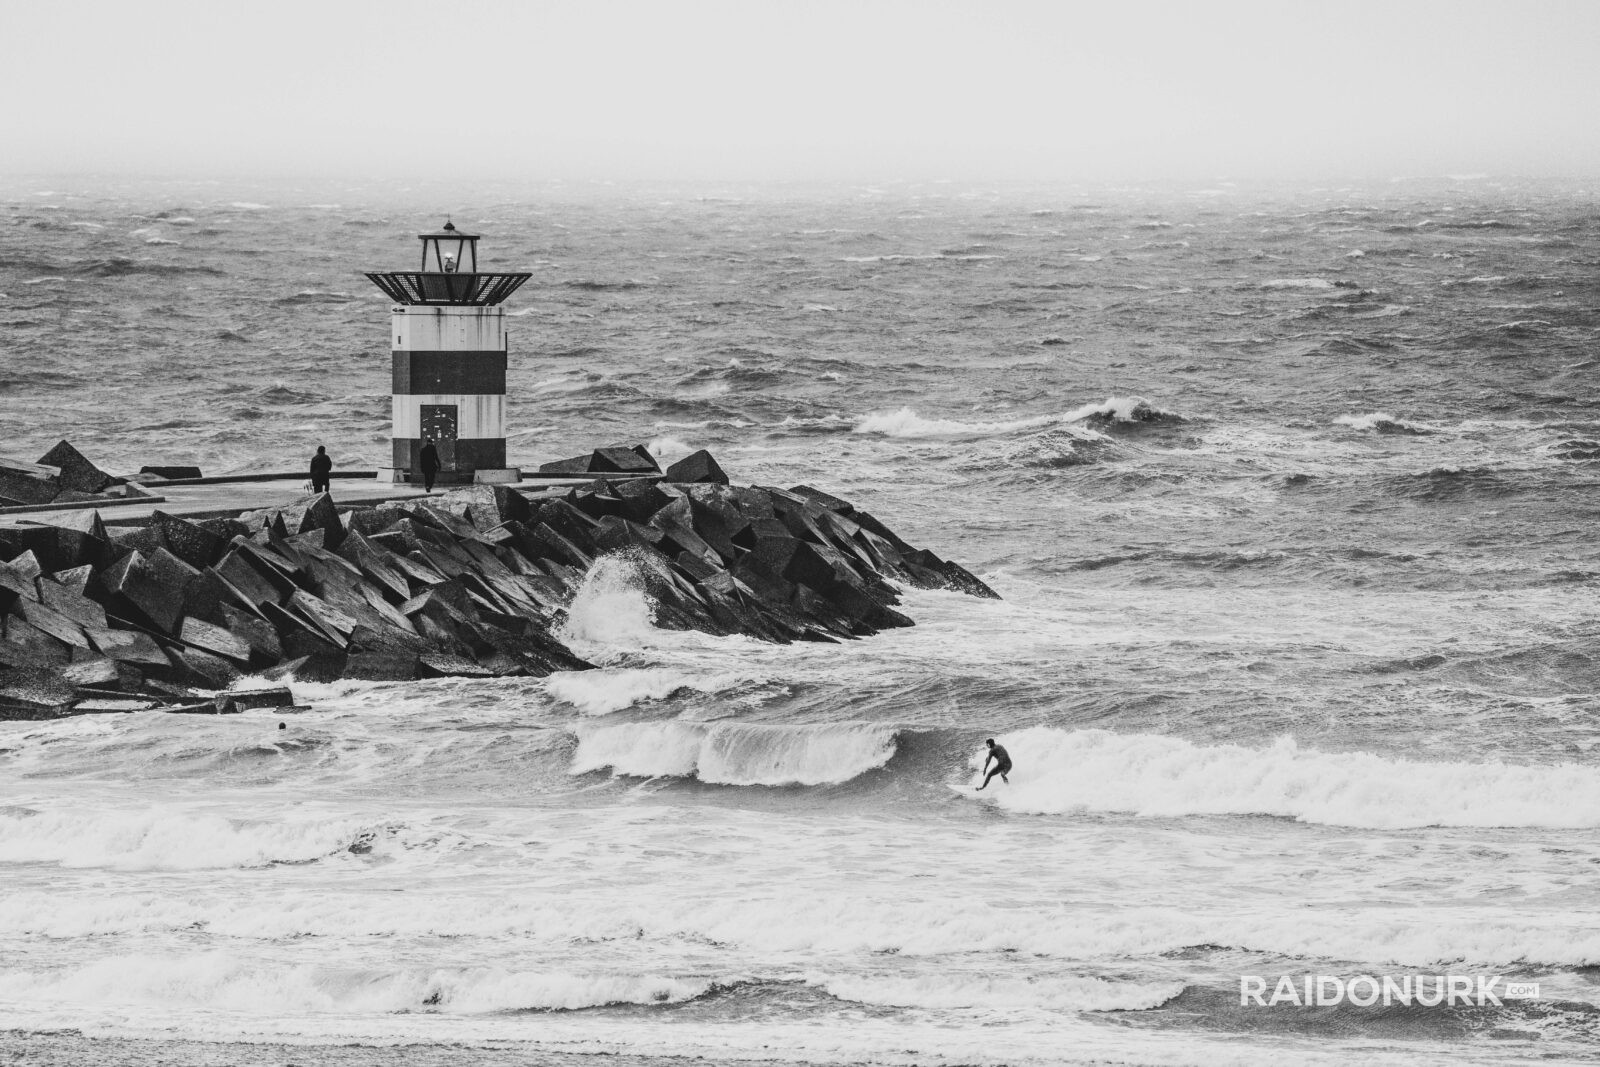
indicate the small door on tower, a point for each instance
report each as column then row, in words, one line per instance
column 439, row 421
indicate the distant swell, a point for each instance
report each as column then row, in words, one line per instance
column 1094, row 770
column 737, row 753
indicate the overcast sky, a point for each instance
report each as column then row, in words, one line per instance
column 759, row 89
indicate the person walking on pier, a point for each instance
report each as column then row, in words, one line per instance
column 428, row 460
column 321, row 466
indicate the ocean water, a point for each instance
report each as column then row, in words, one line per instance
column 1290, row 495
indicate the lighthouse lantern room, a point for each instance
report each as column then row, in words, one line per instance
column 449, row 360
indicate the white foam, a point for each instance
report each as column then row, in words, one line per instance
column 923, row 924
column 737, row 753
column 613, row 689
column 170, row 838
column 907, row 423
column 669, row 449
column 1118, row 409
column 223, row 981
column 1375, row 420
column 1297, row 283
column 1095, row 770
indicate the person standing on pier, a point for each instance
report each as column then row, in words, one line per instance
column 428, row 460
column 321, row 467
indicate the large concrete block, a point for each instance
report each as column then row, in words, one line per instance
column 203, row 669
column 17, row 488
column 77, row 473
column 196, row 546
column 128, row 646
column 74, row 579
column 27, row 565
column 248, row 582
column 487, row 506
column 214, row 639
column 623, row 459
column 75, row 606
column 257, row 634
column 15, row 585
column 155, row 586
column 383, row 666
column 574, row 466
column 36, row 645
column 15, row 541
column 698, row 466
column 38, row 688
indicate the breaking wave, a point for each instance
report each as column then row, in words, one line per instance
column 1114, row 410
column 1381, row 422
column 939, row 991
column 1061, row 771
column 724, row 753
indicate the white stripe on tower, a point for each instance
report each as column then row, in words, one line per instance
column 450, row 383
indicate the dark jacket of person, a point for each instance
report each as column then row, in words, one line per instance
column 428, row 458
column 321, row 464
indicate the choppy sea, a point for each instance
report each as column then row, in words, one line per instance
column 1291, row 495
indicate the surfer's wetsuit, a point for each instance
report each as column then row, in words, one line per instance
column 1002, row 764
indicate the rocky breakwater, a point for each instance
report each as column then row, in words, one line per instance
column 471, row 582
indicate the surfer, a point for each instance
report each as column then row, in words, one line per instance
column 1002, row 763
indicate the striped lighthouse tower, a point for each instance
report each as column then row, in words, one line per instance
column 449, row 342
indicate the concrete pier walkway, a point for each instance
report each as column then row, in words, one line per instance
column 215, row 498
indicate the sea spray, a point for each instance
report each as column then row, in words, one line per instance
column 611, row 607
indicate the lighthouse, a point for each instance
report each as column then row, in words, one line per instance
column 449, row 345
